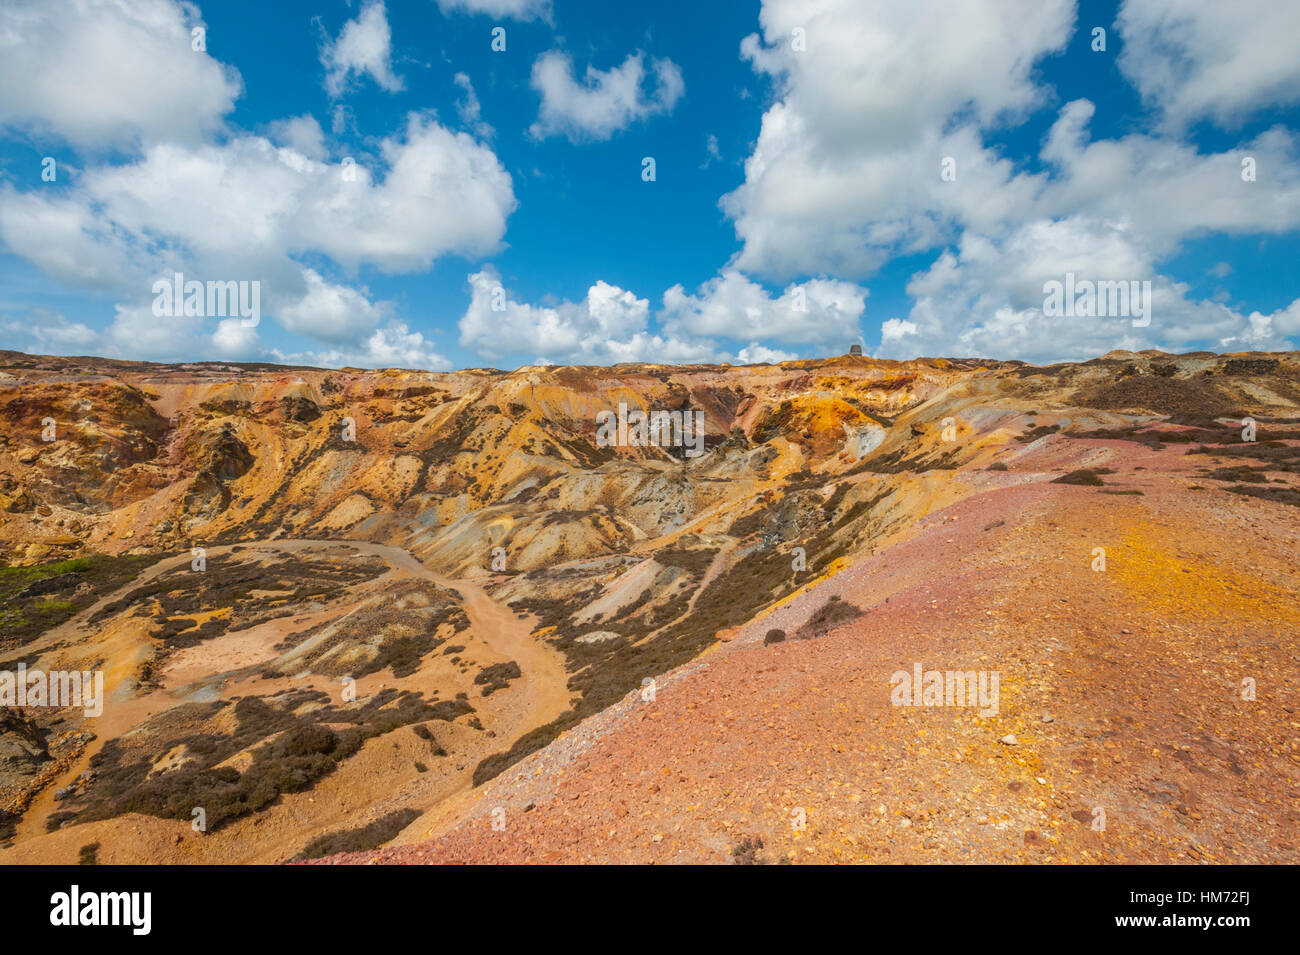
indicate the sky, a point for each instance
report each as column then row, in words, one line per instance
column 445, row 184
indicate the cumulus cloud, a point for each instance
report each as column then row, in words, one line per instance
column 605, row 101
column 986, row 299
column 608, row 326
column 330, row 312
column 756, row 354
column 392, row 345
column 100, row 73
column 244, row 208
column 49, row 332
column 301, row 134
column 845, row 171
column 249, row 210
column 869, row 107
column 613, row 325
column 363, row 48
column 1213, row 61
column 735, row 307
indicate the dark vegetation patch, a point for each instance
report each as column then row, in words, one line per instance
column 422, row 730
column 748, row 524
column 907, row 458
column 1035, row 433
column 34, row 599
column 88, row 854
column 1241, row 473
column 1180, row 399
column 230, row 583
column 1088, row 477
column 693, row 560
column 497, row 677
column 1276, row 455
column 56, row 819
column 362, row 839
column 830, row 615
column 1130, row 492
column 290, row 750
column 773, row 636
column 1251, row 367
column 746, row 852
column 1282, row 495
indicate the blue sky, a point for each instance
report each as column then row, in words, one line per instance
column 797, row 204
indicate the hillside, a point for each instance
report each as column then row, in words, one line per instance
column 424, row 603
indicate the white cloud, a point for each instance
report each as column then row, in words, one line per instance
column 48, row 332
column 136, row 333
column 501, row 9
column 393, row 345
column 248, row 210
column 732, row 306
column 896, row 329
column 1146, row 181
column 608, row 326
column 301, row 134
column 613, row 325
column 986, row 300
column 845, row 175
column 66, row 240
column 101, row 73
column 712, row 151
column 243, row 209
column 846, row 170
column 605, row 101
column 363, row 48
column 756, row 354
column 1217, row 61
column 470, row 111
column 235, row 341
column 330, row 312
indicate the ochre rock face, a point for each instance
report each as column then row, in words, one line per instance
column 515, row 596
column 210, row 452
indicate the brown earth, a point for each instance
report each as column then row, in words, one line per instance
column 691, row 688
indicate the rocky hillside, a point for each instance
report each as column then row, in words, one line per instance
column 702, row 644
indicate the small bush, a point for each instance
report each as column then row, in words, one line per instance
column 746, row 853
column 1083, row 476
column 773, row 636
column 362, row 839
column 832, row 613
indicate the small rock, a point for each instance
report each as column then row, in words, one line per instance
column 1009, row 739
column 1049, row 718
